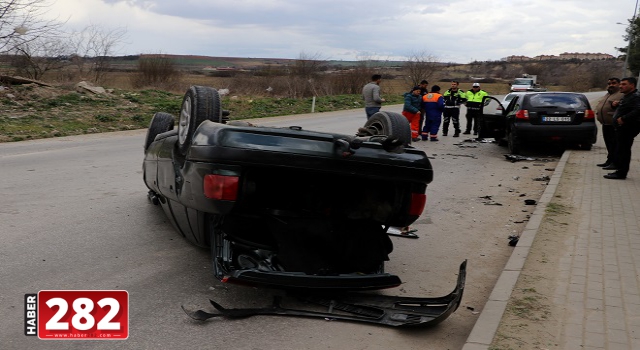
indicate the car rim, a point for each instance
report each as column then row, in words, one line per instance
column 377, row 128
column 185, row 119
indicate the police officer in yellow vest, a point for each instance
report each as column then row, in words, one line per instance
column 474, row 104
column 453, row 98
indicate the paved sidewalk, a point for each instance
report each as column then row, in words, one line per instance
column 599, row 273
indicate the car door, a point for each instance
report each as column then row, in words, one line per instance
column 492, row 122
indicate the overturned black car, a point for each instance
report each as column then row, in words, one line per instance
column 286, row 207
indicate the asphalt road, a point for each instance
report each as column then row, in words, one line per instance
column 74, row 215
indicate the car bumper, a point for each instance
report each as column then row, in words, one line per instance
column 585, row 132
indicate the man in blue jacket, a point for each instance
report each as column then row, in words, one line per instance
column 433, row 104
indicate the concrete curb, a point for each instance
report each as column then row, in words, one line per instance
column 487, row 324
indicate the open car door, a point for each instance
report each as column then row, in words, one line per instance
column 492, row 122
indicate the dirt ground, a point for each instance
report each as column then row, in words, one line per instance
column 531, row 319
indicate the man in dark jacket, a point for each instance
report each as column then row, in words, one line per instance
column 453, row 98
column 627, row 125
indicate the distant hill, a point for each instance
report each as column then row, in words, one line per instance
column 194, row 61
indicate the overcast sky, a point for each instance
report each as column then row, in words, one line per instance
column 450, row 30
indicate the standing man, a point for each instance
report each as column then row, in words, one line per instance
column 474, row 104
column 424, row 89
column 411, row 110
column 626, row 121
column 371, row 96
column 453, row 98
column 604, row 112
column 433, row 104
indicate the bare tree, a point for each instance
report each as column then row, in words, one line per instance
column 22, row 21
column 33, row 59
column 92, row 47
column 419, row 66
column 304, row 75
column 352, row 79
column 156, row 70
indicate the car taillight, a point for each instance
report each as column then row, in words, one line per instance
column 522, row 114
column 418, row 201
column 221, row 187
column 589, row 114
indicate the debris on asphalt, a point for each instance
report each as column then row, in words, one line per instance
column 516, row 178
column 513, row 240
column 517, row 158
column 462, row 145
column 530, row 202
column 489, row 201
column 462, row 155
column 542, row 178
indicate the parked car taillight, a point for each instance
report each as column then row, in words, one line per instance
column 418, row 201
column 522, row 114
column 589, row 114
column 221, row 187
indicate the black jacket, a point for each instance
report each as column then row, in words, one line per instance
column 629, row 109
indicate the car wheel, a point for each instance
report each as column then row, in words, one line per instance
column 161, row 122
column 200, row 103
column 390, row 124
column 513, row 141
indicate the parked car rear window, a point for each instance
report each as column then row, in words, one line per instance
column 570, row 101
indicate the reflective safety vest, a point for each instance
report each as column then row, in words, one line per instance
column 431, row 97
column 454, row 99
column 477, row 97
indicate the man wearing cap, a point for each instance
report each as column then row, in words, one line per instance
column 411, row 110
column 474, row 105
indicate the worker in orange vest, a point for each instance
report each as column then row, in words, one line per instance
column 433, row 104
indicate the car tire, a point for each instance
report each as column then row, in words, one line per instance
column 200, row 103
column 513, row 141
column 390, row 124
column 161, row 122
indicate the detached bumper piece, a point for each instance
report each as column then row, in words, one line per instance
column 357, row 307
column 301, row 281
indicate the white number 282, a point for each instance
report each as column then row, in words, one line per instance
column 83, row 308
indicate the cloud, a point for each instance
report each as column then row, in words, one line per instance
column 457, row 30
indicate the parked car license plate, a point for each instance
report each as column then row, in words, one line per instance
column 556, row 119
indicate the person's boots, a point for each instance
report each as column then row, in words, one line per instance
column 456, row 133
column 445, row 129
